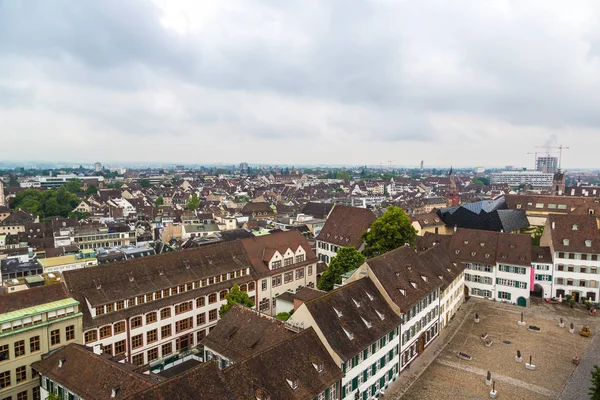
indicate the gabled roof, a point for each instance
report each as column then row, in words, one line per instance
column 342, row 316
column 261, row 249
column 574, row 233
column 345, row 226
column 32, row 297
column 74, row 365
column 243, row 332
column 487, row 247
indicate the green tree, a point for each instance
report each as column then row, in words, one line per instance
column 53, row 396
column 347, row 259
column 12, row 180
column 73, row 186
column 193, row 202
column 235, row 296
column 342, row 175
column 92, row 189
column 145, row 183
column 390, row 231
column 159, row 201
column 595, row 388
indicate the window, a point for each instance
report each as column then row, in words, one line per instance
column 4, row 379
column 141, row 299
column 105, row 331
column 120, row 347
column 200, row 302
column 165, row 331
column 137, row 341
column 91, row 336
column 21, row 373
column 264, row 285
column 201, row 319
column 300, row 273
column 300, row 258
column 504, row 295
column 583, row 270
column 288, row 261
column 4, row 353
column 167, row 349
column 110, row 307
column 99, row 310
column 152, row 336
column 212, row 298
column 183, row 325
column 200, row 335
column 22, row 395
column 212, row 315
column 35, row 393
column 138, row 359
column 276, row 281
column 151, row 318
column 119, row 327
column 165, row 313
column 34, row 344
column 20, row 346
column 136, row 322
column 222, row 294
column 183, row 307
column 264, row 305
column 560, row 267
column 251, row 286
column 276, row 264
column 70, row 332
column 152, row 354
column 107, row 349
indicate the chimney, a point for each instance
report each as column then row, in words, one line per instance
column 61, row 362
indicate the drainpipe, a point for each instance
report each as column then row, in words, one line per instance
column 128, row 340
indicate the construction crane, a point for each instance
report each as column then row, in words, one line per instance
column 535, row 155
column 560, row 149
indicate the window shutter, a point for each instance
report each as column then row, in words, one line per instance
column 343, row 391
column 355, row 383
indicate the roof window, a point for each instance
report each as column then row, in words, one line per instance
column 473, row 253
column 414, row 284
column 574, row 227
column 349, row 334
column 402, row 292
column 356, row 303
column 380, row 315
column 367, row 323
column 338, row 313
column 370, row 296
column 588, row 243
column 566, row 242
column 424, row 278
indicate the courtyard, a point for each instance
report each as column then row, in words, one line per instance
column 450, row 377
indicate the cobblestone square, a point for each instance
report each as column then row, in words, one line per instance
column 449, row 377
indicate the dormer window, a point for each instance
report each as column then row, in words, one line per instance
column 466, row 242
column 318, row 366
column 588, row 243
column 441, row 277
column 487, row 255
column 261, row 394
column 338, row 313
column 370, row 296
column 540, row 256
column 482, row 244
column 414, row 284
column 350, row 335
column 574, row 227
column 473, row 254
column 356, row 303
column 566, row 242
column 457, row 251
column 367, row 323
column 424, row 278
column 402, row 292
column 380, row 315
column 293, row 382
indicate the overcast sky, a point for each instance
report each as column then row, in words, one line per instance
column 465, row 82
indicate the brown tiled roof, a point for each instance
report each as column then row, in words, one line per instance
column 307, row 294
column 541, row 254
column 345, row 226
column 32, row 297
column 487, row 247
column 577, row 229
column 260, row 249
column 522, row 202
column 325, row 310
column 122, row 280
column 267, row 370
column 401, row 273
column 243, row 332
column 92, row 376
column 429, row 219
column 587, row 209
column 250, row 208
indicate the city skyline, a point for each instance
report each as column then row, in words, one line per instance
column 300, row 83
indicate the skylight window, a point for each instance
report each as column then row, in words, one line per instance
column 566, row 242
column 350, row 335
column 588, row 243
column 338, row 313
column 574, row 227
column 367, row 323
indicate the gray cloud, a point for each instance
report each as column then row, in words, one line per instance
column 343, row 74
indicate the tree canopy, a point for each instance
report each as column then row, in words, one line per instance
column 47, row 203
column 159, row 201
column 235, row 296
column 193, row 202
column 346, row 259
column 145, row 183
column 594, row 392
column 390, row 231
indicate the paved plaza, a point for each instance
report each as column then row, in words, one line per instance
column 440, row 374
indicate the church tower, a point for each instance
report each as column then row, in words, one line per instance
column 452, row 195
column 559, row 183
